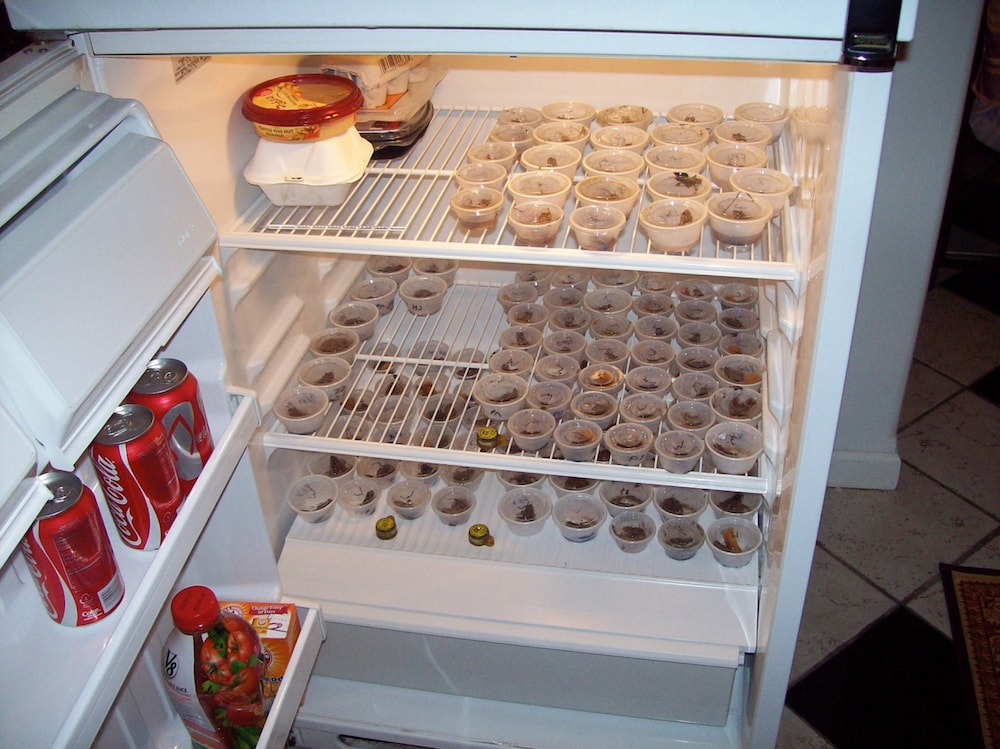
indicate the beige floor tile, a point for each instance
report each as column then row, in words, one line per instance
column 896, row 538
column 958, row 444
column 795, row 733
column 839, row 604
column 925, row 389
column 957, row 337
column 930, row 605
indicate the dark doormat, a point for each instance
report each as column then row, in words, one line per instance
column 973, row 597
column 895, row 685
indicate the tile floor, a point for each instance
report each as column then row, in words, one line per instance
column 874, row 665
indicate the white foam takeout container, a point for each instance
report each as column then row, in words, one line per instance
column 314, row 173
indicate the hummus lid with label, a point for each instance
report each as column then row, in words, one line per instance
column 305, row 106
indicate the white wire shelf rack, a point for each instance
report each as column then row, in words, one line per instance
column 400, row 206
column 397, row 361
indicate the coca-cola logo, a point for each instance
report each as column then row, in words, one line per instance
column 118, row 502
column 36, row 573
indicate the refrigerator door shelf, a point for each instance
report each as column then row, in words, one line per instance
column 92, row 662
column 20, row 508
column 50, row 144
column 293, row 685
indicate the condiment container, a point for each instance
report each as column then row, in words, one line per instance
column 313, row 497
column 301, row 409
column 302, row 107
column 680, row 538
column 734, row 446
column 331, row 374
column 733, row 541
column 524, row 510
column 409, row 498
column 632, row 531
column 359, row 497
column 361, row 317
column 578, row 439
column 677, row 451
column 620, row 496
column 453, row 505
column 579, row 516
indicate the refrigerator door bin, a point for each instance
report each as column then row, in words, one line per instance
column 93, row 661
column 60, row 366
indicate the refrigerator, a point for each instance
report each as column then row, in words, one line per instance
column 130, row 233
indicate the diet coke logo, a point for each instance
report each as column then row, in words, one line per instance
column 118, row 502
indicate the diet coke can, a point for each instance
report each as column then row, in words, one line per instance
column 136, row 470
column 170, row 391
column 70, row 556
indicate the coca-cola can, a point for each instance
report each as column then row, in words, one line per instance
column 171, row 392
column 69, row 554
column 136, row 470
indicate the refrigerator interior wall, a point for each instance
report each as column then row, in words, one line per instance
column 547, row 79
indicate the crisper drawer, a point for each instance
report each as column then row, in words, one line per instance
column 634, row 687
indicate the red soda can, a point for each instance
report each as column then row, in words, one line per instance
column 136, row 470
column 170, row 391
column 70, row 556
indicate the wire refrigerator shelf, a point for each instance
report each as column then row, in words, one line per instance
column 410, row 397
column 403, row 203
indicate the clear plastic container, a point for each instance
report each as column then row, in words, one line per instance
column 680, row 538
column 301, row 409
column 453, row 505
column 579, row 516
column 622, row 496
column 409, row 498
column 524, row 510
column 313, row 498
column 632, row 531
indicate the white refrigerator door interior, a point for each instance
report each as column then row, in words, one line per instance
column 17, row 463
column 127, row 220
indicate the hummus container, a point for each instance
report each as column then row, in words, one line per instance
column 303, row 107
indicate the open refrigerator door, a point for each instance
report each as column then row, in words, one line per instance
column 434, row 640
column 108, row 263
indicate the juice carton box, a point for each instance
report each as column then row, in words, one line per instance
column 277, row 625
